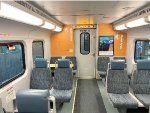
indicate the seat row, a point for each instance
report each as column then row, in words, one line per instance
column 121, row 93
column 73, row 60
column 102, row 65
column 42, row 84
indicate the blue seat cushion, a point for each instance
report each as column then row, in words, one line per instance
column 40, row 63
column 143, row 64
column 117, row 64
column 63, row 63
column 32, row 101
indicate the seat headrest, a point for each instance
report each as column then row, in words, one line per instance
column 40, row 63
column 32, row 101
column 143, row 64
column 117, row 64
column 63, row 63
column 119, row 58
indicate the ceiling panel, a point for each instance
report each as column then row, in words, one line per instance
column 89, row 12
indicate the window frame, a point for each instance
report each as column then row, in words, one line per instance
column 42, row 47
column 84, row 43
column 146, row 40
column 23, row 62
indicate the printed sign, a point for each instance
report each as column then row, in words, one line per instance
column 106, row 45
column 10, row 94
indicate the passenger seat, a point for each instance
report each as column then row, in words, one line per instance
column 141, row 82
column 35, row 100
column 41, row 75
column 118, row 87
column 63, row 81
column 102, row 66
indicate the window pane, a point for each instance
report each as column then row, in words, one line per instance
column 12, row 62
column 37, row 49
column 142, row 50
column 85, row 43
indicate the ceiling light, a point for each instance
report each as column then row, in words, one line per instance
column 58, row 29
column 136, row 23
column 48, row 25
column 11, row 12
column 121, row 27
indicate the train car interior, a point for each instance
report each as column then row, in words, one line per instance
column 74, row 56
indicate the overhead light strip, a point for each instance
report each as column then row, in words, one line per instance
column 48, row 25
column 11, row 12
column 136, row 23
column 58, row 29
column 121, row 27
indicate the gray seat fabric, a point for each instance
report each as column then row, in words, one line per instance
column 117, row 82
column 122, row 100
column 32, row 101
column 102, row 65
column 61, row 95
column 141, row 82
column 62, row 85
column 41, row 75
column 118, row 86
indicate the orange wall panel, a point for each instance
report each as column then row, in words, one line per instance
column 62, row 43
column 120, row 42
column 120, row 38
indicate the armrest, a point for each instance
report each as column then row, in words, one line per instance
column 51, row 86
column 51, row 104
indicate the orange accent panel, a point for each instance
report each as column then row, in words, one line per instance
column 120, row 44
column 120, row 38
column 62, row 43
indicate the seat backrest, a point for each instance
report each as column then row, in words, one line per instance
column 119, row 58
column 63, row 78
column 102, row 63
column 141, row 77
column 117, row 79
column 63, row 63
column 32, row 101
column 53, row 60
column 73, row 60
column 41, row 75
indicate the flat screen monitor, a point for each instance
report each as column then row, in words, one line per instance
column 106, row 45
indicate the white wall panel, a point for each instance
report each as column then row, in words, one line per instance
column 26, row 34
column 132, row 35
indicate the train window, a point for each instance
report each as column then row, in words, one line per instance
column 85, row 43
column 142, row 49
column 37, row 49
column 12, row 62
